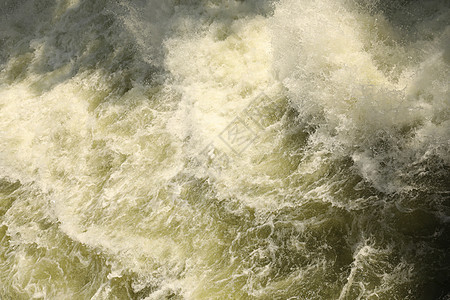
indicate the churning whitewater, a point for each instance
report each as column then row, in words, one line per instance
column 224, row 149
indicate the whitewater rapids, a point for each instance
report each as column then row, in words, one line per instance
column 122, row 175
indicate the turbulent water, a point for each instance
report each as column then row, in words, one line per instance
column 213, row 149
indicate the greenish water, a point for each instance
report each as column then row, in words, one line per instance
column 212, row 149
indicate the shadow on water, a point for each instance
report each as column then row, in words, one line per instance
column 126, row 39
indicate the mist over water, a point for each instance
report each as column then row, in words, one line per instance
column 121, row 176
